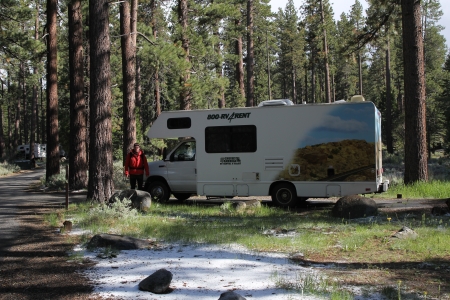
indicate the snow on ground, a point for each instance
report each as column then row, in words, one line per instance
column 199, row 272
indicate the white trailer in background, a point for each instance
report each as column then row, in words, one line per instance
column 39, row 150
column 289, row 152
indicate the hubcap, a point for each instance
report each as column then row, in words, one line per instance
column 284, row 196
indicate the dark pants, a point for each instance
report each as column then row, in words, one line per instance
column 139, row 179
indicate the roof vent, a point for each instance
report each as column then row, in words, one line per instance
column 276, row 102
column 357, row 98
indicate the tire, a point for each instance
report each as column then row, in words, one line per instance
column 159, row 191
column 284, row 195
column 181, row 196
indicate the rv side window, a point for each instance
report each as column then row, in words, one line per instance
column 224, row 139
column 179, row 123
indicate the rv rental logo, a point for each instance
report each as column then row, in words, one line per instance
column 228, row 116
column 230, row 161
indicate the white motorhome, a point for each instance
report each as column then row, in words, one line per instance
column 289, row 152
column 39, row 150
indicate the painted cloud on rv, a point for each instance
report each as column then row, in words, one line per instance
column 343, row 123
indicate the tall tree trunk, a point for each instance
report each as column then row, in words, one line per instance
column 77, row 158
column 156, row 90
column 101, row 184
column 325, row 55
column 269, row 83
column 16, row 123
column 25, row 107
column 240, row 64
column 129, row 80
column 221, row 94
column 185, row 93
column 43, row 112
column 87, row 89
column 34, row 98
column 389, row 138
column 360, row 85
column 313, row 75
column 52, row 92
column 414, row 81
column 250, row 56
column 2, row 139
column 294, row 89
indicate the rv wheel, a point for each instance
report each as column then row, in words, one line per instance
column 181, row 196
column 284, row 195
column 159, row 191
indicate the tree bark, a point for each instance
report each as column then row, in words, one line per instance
column 185, row 93
column 250, row 56
column 2, row 139
column 156, row 90
column 325, row 53
column 128, row 80
column 414, row 82
column 101, row 185
column 52, row 163
column 77, row 158
column 389, row 139
column 240, row 64
column 34, row 98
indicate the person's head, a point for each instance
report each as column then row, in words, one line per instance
column 136, row 147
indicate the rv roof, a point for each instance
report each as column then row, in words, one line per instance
column 276, row 102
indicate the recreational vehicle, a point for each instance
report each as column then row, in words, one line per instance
column 289, row 152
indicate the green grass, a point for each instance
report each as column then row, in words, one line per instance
column 435, row 189
column 318, row 234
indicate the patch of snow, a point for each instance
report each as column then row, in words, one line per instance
column 199, row 272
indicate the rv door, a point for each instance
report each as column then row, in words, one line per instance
column 182, row 168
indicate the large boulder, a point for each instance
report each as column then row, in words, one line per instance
column 157, row 283
column 354, row 206
column 140, row 200
column 118, row 242
column 231, row 296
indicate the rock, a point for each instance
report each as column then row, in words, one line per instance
column 231, row 296
column 448, row 203
column 118, row 242
column 405, row 233
column 253, row 203
column 354, row 206
column 239, row 205
column 140, row 200
column 157, row 283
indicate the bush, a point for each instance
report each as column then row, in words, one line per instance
column 8, row 168
column 120, row 181
column 56, row 182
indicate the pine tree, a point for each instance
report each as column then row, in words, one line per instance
column 77, row 158
column 100, row 186
column 52, row 147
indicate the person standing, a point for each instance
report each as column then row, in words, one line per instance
column 135, row 165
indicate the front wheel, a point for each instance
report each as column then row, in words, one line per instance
column 284, row 195
column 159, row 191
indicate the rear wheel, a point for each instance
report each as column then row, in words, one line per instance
column 284, row 195
column 159, row 191
column 181, row 196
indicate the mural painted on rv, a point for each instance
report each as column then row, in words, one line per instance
column 342, row 148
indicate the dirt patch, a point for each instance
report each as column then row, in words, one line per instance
column 38, row 265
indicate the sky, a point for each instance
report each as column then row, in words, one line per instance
column 340, row 6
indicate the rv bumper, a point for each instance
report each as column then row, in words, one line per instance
column 383, row 187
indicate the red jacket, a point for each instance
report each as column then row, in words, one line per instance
column 136, row 163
